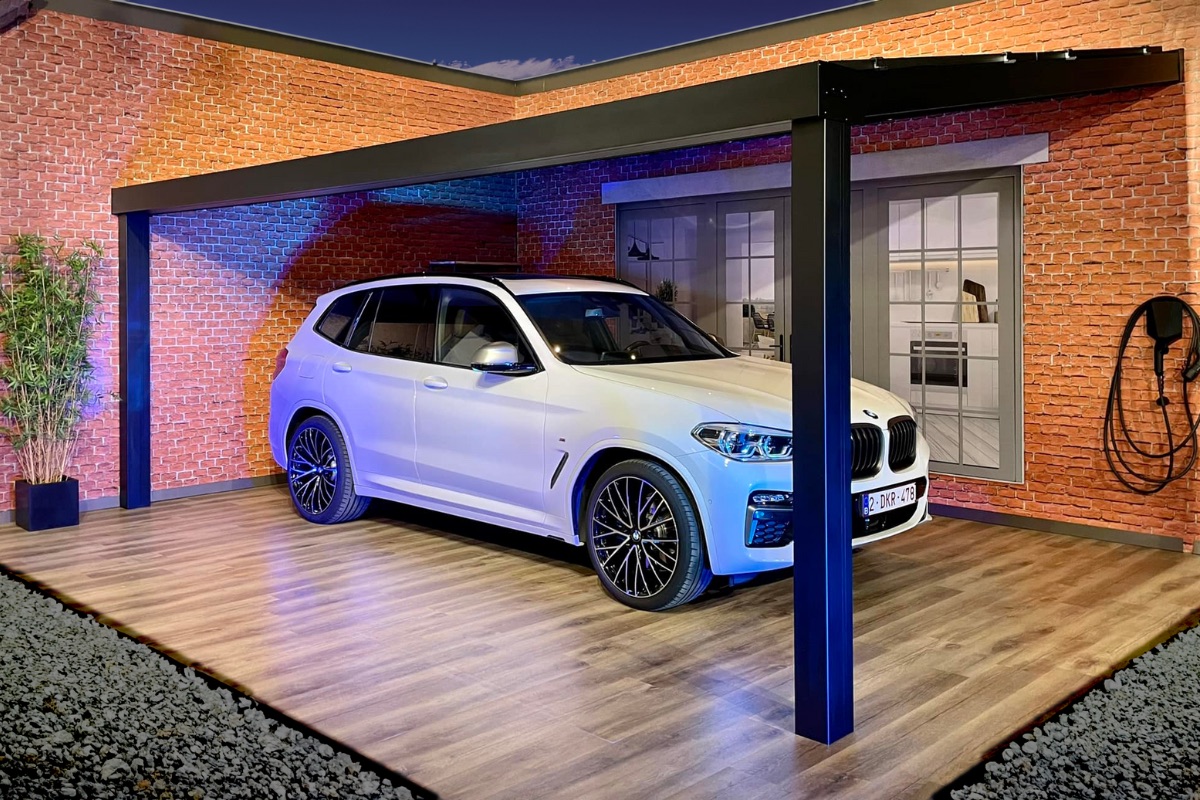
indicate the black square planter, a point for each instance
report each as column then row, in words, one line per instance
column 47, row 505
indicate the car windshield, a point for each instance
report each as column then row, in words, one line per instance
column 616, row 328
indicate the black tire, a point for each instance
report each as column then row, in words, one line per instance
column 632, row 550
column 319, row 476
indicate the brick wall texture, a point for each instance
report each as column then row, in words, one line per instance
column 1112, row 218
column 87, row 105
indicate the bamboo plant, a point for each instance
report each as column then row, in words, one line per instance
column 48, row 303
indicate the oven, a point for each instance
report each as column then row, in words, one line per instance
column 945, row 358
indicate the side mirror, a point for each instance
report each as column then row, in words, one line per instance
column 716, row 339
column 500, row 358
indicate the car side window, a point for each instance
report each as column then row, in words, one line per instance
column 360, row 338
column 467, row 319
column 340, row 316
column 402, row 325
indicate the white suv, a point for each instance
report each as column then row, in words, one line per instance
column 582, row 409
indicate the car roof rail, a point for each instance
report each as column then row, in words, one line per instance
column 496, row 279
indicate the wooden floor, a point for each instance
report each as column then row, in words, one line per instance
column 484, row 670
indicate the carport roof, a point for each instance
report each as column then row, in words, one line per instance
column 754, row 105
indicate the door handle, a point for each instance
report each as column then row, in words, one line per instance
column 435, row 383
column 341, row 366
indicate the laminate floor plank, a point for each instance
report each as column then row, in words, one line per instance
column 489, row 665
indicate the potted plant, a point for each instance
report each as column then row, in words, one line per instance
column 666, row 291
column 48, row 303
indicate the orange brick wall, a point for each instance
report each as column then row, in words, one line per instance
column 86, row 105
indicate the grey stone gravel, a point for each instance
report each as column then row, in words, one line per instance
column 86, row 712
column 1137, row 736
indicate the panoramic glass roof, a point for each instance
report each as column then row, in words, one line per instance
column 510, row 40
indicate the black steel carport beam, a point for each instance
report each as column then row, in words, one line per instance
column 736, row 108
column 882, row 89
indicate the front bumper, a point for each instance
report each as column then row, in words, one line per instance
column 723, row 490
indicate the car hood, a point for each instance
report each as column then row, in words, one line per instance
column 743, row 389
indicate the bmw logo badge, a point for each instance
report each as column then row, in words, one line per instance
column 870, row 413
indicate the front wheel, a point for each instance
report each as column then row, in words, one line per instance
column 644, row 537
column 319, row 476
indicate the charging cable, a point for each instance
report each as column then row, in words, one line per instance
column 1164, row 324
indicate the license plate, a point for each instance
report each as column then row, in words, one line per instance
column 888, row 499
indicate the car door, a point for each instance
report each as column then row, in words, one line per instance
column 370, row 384
column 480, row 436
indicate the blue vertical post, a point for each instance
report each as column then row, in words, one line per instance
column 820, row 354
column 134, row 345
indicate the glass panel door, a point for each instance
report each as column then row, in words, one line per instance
column 658, row 251
column 750, row 269
column 947, row 259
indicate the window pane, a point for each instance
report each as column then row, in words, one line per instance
column 904, row 225
column 903, row 383
column 941, row 223
column 905, row 327
column 662, row 238
column 981, row 274
column 737, row 279
column 636, row 273
column 972, row 313
column 762, row 279
column 981, row 220
column 661, row 272
column 981, row 442
column 467, row 320
column 737, row 235
column 685, row 237
column 941, row 432
column 983, row 387
column 360, row 340
column 737, row 334
column 339, row 316
column 684, row 277
column 905, row 279
column 403, row 323
column 762, row 233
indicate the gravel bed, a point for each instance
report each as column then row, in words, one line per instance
column 87, row 712
column 1136, row 736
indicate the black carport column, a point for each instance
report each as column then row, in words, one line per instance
column 820, row 354
column 134, row 344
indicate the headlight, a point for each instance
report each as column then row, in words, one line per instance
column 745, row 442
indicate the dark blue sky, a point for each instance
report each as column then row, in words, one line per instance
column 540, row 34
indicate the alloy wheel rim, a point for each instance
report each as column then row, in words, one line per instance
column 313, row 470
column 635, row 536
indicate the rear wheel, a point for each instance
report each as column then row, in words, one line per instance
column 319, row 475
column 644, row 538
